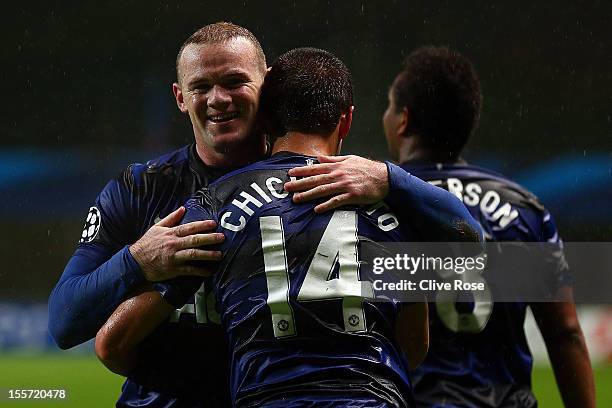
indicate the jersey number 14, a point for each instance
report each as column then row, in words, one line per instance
column 338, row 247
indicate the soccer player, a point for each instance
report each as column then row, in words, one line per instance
column 434, row 106
column 299, row 335
column 130, row 239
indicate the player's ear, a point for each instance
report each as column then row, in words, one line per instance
column 402, row 126
column 345, row 123
column 178, row 95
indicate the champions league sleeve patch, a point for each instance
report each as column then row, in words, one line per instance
column 92, row 225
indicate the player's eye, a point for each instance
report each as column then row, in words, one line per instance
column 234, row 83
column 200, row 88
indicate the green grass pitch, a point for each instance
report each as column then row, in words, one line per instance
column 89, row 384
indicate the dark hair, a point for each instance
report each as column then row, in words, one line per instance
column 441, row 90
column 306, row 90
column 218, row 33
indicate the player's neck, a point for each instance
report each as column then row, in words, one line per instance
column 306, row 144
column 412, row 150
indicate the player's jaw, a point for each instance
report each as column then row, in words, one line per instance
column 219, row 123
column 224, row 128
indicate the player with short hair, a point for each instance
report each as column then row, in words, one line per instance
column 434, row 107
column 132, row 239
column 299, row 335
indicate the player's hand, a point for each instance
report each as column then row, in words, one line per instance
column 166, row 249
column 344, row 179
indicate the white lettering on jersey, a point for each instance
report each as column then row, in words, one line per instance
column 489, row 202
column 232, row 227
column 387, row 221
column 244, row 205
column 249, row 200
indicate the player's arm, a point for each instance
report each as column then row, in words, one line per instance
column 560, row 327
column 102, row 273
column 118, row 339
column 567, row 350
column 136, row 318
column 355, row 180
column 94, row 282
column 412, row 332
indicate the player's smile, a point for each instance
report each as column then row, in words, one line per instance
column 220, row 92
column 223, row 117
column 224, row 125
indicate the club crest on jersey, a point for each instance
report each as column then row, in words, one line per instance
column 92, row 225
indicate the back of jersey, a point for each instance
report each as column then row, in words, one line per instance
column 487, row 365
column 303, row 328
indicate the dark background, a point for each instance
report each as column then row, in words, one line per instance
column 87, row 90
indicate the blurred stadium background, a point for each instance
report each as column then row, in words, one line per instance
column 87, row 91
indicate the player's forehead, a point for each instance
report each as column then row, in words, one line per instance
column 213, row 61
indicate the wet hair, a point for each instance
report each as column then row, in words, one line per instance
column 441, row 90
column 221, row 32
column 306, row 90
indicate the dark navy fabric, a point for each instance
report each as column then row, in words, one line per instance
column 435, row 213
column 184, row 362
column 492, row 366
column 311, row 356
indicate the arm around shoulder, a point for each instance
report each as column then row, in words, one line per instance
column 441, row 215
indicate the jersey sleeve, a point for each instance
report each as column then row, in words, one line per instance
column 557, row 271
column 102, row 272
column 434, row 213
column 177, row 291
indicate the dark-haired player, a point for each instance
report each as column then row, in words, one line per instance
column 301, row 329
column 434, row 106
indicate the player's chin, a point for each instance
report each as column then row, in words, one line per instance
column 230, row 138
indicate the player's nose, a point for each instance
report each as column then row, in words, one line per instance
column 219, row 98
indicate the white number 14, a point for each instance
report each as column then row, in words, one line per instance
column 338, row 247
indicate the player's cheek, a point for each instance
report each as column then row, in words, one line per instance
column 247, row 99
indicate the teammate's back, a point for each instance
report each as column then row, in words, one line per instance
column 303, row 327
column 478, row 354
column 492, row 360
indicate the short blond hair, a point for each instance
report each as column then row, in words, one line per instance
column 218, row 33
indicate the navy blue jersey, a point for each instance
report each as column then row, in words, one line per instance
column 303, row 329
column 489, row 365
column 102, row 273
